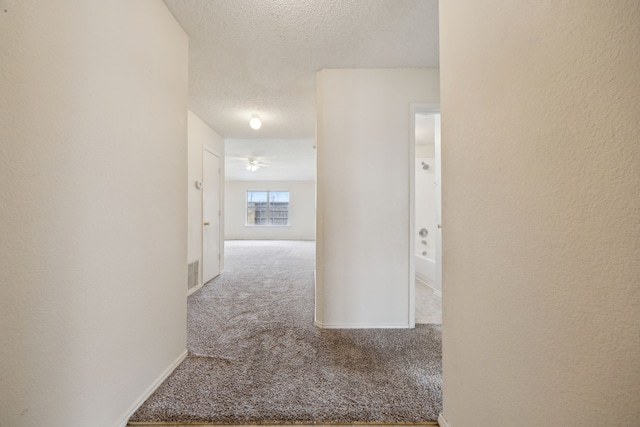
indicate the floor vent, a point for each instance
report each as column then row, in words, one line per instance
column 194, row 274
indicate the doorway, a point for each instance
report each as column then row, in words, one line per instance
column 425, row 223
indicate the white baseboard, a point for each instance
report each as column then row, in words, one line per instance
column 359, row 326
column 163, row 376
column 442, row 421
column 424, row 282
column 315, row 297
column 195, row 288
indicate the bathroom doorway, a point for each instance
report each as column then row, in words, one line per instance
column 425, row 226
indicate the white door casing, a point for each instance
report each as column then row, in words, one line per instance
column 438, row 188
column 419, row 108
column 211, row 215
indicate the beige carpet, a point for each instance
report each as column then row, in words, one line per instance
column 255, row 356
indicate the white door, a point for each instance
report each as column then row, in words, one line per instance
column 211, row 234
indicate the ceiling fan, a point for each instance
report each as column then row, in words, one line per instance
column 253, row 165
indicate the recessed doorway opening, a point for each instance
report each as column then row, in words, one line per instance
column 425, row 224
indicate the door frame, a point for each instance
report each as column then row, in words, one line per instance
column 221, row 216
column 414, row 108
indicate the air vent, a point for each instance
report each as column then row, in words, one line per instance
column 194, row 274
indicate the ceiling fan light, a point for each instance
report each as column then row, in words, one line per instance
column 255, row 122
column 253, row 166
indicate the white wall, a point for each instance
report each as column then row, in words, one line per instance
column 94, row 207
column 541, row 173
column 363, row 235
column 302, row 211
column 201, row 136
column 425, row 151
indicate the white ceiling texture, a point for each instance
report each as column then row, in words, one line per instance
column 261, row 57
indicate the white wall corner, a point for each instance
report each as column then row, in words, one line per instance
column 163, row 376
column 442, row 421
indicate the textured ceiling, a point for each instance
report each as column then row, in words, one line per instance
column 261, row 56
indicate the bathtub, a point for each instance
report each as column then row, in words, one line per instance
column 425, row 268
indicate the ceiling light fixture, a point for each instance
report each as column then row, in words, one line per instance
column 254, row 165
column 255, row 122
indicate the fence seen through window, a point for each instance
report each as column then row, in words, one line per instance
column 267, row 208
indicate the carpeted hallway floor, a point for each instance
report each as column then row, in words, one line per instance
column 255, row 356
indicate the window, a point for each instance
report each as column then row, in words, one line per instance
column 267, row 208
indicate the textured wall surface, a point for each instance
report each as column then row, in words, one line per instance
column 200, row 136
column 262, row 56
column 541, row 214
column 93, row 216
column 302, row 210
column 363, row 235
